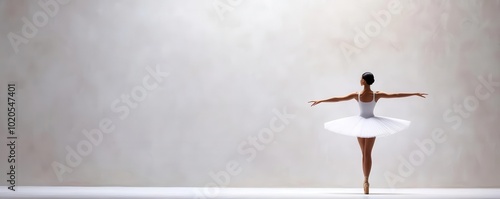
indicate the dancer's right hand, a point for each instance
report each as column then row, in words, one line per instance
column 421, row 95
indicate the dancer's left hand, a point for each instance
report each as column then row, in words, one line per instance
column 314, row 103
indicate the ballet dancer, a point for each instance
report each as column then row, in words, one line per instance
column 366, row 127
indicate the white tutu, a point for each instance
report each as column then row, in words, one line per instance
column 367, row 125
column 358, row 126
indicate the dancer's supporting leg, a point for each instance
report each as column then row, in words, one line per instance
column 366, row 145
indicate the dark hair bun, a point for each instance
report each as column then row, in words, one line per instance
column 368, row 77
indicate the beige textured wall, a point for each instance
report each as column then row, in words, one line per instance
column 238, row 70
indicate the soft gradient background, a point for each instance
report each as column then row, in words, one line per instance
column 228, row 74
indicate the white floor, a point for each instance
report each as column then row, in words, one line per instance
column 236, row 193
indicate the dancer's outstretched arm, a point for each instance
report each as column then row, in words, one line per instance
column 335, row 99
column 399, row 95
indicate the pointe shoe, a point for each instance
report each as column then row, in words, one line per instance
column 366, row 187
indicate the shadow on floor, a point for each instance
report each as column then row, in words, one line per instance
column 377, row 194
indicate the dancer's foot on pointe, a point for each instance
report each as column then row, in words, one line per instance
column 366, row 186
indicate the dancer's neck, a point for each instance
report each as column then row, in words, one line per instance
column 367, row 88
